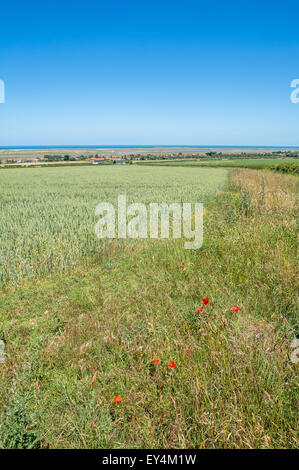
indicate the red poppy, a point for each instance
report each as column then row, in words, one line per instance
column 206, row 301
column 181, row 265
column 187, row 351
column 236, row 308
column 94, row 382
column 156, row 361
column 117, row 399
column 172, row 364
column 198, row 310
column 153, row 378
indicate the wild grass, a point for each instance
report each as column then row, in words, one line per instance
column 291, row 168
column 74, row 342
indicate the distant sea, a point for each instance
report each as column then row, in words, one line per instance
column 35, row 147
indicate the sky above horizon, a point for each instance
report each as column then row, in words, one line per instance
column 149, row 73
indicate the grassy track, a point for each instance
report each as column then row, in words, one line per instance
column 75, row 341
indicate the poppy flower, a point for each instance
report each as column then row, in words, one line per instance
column 117, row 399
column 206, row 301
column 153, row 378
column 94, row 382
column 236, row 308
column 172, row 364
column 198, row 310
column 156, row 362
column 181, row 265
column 187, row 351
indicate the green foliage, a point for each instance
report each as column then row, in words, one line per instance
column 47, row 216
column 291, row 168
column 78, row 338
column 229, row 162
column 17, row 426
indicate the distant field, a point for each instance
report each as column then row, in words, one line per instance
column 47, row 214
column 147, row 344
column 258, row 163
column 28, row 153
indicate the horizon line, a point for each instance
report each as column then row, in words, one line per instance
column 45, row 146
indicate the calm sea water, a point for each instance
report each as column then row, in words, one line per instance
column 35, row 147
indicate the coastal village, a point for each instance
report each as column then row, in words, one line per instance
column 122, row 156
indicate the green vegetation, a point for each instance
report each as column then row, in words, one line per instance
column 215, row 156
column 291, row 168
column 77, row 339
column 254, row 163
column 47, row 218
column 55, row 164
column 57, row 158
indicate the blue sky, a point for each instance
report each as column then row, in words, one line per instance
column 149, row 72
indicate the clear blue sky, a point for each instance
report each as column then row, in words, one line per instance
column 149, row 72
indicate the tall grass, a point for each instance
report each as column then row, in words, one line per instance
column 47, row 215
column 291, row 168
column 74, row 342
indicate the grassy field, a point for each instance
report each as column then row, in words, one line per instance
column 48, row 215
column 95, row 329
column 254, row 163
